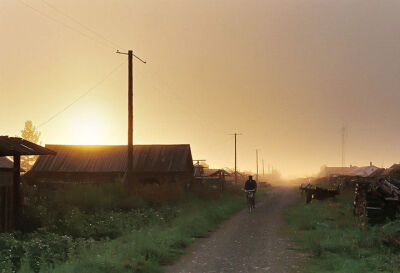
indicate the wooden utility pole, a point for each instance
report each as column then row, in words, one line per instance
column 130, row 116
column 236, row 134
column 235, row 161
column 257, row 164
column 344, row 132
column 263, row 167
column 128, row 176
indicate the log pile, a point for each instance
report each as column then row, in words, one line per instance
column 376, row 200
column 315, row 192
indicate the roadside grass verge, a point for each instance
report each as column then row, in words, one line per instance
column 105, row 229
column 338, row 242
column 147, row 249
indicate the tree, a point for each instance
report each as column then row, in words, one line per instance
column 32, row 134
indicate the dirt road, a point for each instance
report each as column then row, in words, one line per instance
column 247, row 242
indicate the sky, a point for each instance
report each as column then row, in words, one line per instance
column 286, row 74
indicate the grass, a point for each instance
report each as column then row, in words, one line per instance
column 147, row 249
column 103, row 229
column 338, row 242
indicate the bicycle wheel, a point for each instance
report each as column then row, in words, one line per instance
column 249, row 206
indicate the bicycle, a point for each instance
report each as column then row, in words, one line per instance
column 250, row 199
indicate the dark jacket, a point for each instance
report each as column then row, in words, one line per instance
column 250, row 185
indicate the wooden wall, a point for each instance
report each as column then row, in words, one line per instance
column 6, row 202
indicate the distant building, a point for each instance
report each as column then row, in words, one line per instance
column 349, row 171
column 104, row 164
column 214, row 172
column 364, row 171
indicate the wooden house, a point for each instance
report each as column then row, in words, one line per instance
column 108, row 164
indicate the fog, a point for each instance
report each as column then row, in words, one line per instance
column 286, row 74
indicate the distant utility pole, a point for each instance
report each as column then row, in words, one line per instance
column 235, row 134
column 128, row 177
column 263, row 167
column 257, row 163
column 343, row 145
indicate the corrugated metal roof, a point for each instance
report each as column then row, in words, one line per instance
column 146, row 158
column 10, row 146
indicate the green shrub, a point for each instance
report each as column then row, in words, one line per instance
column 11, row 253
column 47, row 249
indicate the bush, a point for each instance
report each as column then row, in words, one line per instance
column 47, row 249
column 205, row 192
column 92, row 198
column 158, row 195
column 11, row 253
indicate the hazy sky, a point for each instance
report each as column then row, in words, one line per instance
column 285, row 74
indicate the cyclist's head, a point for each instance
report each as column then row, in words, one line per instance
column 250, row 177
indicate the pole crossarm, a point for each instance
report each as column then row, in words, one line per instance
column 127, row 53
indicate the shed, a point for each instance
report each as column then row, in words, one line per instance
column 215, row 173
column 108, row 163
column 10, row 195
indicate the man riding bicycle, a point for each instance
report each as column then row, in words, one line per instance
column 251, row 185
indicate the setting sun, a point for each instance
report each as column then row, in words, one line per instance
column 88, row 129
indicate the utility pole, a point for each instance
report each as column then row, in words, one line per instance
column 128, row 177
column 263, row 167
column 343, row 145
column 257, row 163
column 235, row 134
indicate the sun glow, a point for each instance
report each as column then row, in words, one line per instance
column 88, row 129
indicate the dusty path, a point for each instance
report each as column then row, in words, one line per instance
column 246, row 243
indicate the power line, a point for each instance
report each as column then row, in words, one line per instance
column 66, row 25
column 95, row 33
column 83, row 95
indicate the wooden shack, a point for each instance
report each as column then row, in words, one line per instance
column 10, row 194
column 108, row 164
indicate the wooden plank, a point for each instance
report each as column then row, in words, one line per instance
column 7, row 170
column 6, row 210
column 11, row 211
column 16, row 193
column 2, row 209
